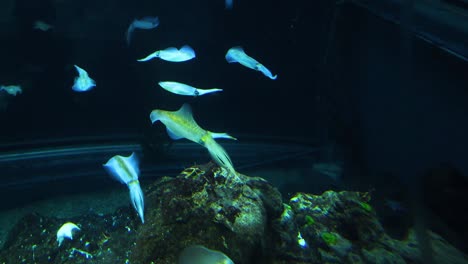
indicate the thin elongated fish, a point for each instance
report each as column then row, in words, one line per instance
column 198, row 254
column 83, row 82
column 180, row 124
column 143, row 23
column 11, row 89
column 237, row 54
column 126, row 171
column 184, row 89
column 185, row 53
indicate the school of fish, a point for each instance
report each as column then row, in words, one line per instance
column 179, row 124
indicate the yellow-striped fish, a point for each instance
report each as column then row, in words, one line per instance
column 180, row 124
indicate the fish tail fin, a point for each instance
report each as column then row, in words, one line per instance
column 218, row 154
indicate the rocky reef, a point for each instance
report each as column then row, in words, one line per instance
column 243, row 217
column 203, row 206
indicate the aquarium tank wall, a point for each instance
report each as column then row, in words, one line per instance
column 233, row 131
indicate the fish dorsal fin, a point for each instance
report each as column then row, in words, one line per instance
column 185, row 112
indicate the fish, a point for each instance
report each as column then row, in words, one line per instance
column 180, row 124
column 184, row 89
column 11, row 89
column 83, row 82
column 143, row 23
column 172, row 54
column 66, row 231
column 198, row 254
column 237, row 54
column 42, row 26
column 126, row 171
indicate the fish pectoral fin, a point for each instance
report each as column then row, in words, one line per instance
column 173, row 135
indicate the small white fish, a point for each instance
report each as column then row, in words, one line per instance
column 83, row 82
column 184, row 89
column 237, row 54
column 143, row 23
column 126, row 171
column 185, row 53
column 11, row 89
column 66, row 231
column 42, row 26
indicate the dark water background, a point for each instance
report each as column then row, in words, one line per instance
column 345, row 77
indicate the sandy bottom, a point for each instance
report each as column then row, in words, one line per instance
column 65, row 207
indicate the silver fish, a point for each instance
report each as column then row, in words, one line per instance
column 237, row 54
column 126, row 171
column 11, row 89
column 83, row 82
column 185, row 53
column 184, row 89
column 180, row 124
column 143, row 23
